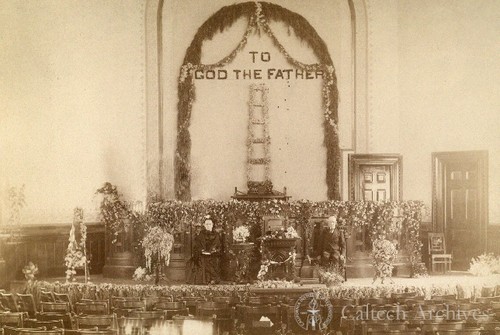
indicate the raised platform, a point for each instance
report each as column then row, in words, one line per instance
column 459, row 283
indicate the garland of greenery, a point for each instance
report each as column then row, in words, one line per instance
column 258, row 14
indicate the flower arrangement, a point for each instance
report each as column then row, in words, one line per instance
column 30, row 271
column 384, row 253
column 141, row 274
column 241, row 234
column 276, row 284
column 331, row 277
column 485, row 265
column 290, row 232
column 76, row 256
column 157, row 244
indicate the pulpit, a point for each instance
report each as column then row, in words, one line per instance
column 280, row 253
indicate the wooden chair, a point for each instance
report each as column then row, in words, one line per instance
column 136, row 325
column 26, row 331
column 171, row 308
column 125, row 307
column 46, row 296
column 261, row 300
column 8, row 301
column 387, row 326
column 8, row 330
column 148, row 315
column 92, row 308
column 26, row 303
column 394, row 332
column 437, row 252
column 467, row 331
column 48, row 324
column 253, row 314
column 191, row 303
column 13, row 319
column 98, row 322
column 97, row 332
column 55, row 307
column 63, row 297
column 221, row 312
column 434, row 327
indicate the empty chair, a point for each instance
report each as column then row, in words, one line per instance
column 48, row 324
column 97, row 332
column 9, row 330
column 231, row 301
column 55, row 307
column 13, row 319
column 387, row 326
column 261, row 300
column 92, row 307
column 395, row 332
column 136, row 325
column 96, row 321
column 8, row 302
column 221, row 311
column 154, row 315
column 63, row 297
column 191, row 303
column 442, row 326
column 171, row 308
column 253, row 318
column 47, row 296
column 466, row 331
column 26, row 303
column 26, row 331
column 343, row 302
column 125, row 307
column 374, row 301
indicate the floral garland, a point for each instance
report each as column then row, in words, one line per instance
column 258, row 14
column 266, row 139
column 76, row 255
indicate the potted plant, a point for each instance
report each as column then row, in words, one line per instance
column 157, row 244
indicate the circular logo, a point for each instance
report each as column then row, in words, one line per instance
column 313, row 311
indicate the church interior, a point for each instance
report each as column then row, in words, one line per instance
column 227, row 167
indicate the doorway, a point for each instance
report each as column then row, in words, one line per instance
column 460, row 203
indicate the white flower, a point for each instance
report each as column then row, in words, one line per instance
column 240, row 234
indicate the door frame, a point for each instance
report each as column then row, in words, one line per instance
column 439, row 162
column 393, row 161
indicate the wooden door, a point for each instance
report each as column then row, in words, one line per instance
column 462, row 204
column 374, row 177
column 375, row 183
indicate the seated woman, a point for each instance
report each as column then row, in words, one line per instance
column 208, row 246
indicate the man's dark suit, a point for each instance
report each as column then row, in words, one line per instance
column 332, row 246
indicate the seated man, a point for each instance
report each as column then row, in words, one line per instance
column 332, row 246
column 208, row 246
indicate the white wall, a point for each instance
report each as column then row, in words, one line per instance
column 220, row 113
column 72, row 102
column 448, row 88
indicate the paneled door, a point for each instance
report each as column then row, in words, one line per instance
column 372, row 178
column 461, row 203
column 375, row 183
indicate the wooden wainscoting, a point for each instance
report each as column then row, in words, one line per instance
column 45, row 246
